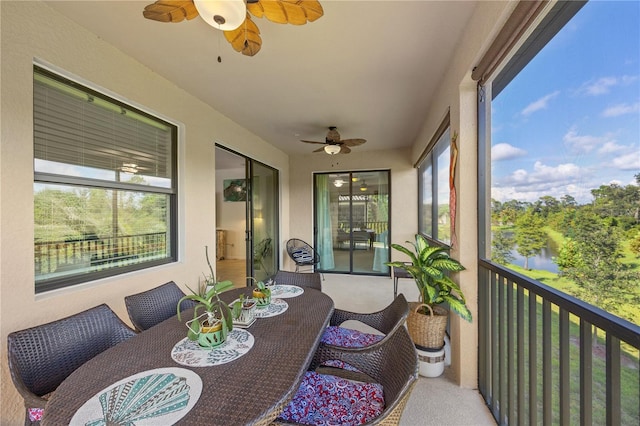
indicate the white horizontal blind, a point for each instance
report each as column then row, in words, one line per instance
column 76, row 127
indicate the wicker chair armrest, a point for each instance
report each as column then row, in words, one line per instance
column 385, row 321
column 396, row 356
column 31, row 400
column 375, row 320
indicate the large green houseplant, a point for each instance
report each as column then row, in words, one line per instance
column 212, row 317
column 430, row 266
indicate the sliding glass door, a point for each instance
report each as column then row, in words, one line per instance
column 263, row 212
column 352, row 221
column 247, row 201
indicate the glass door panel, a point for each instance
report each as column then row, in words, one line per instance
column 263, row 212
column 352, row 221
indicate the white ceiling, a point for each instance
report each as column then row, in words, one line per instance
column 367, row 67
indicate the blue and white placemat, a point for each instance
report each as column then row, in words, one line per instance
column 284, row 291
column 190, row 353
column 276, row 307
column 152, row 397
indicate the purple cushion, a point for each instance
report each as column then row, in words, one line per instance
column 348, row 338
column 35, row 414
column 329, row 400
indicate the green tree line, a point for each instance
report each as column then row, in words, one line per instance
column 89, row 213
column 600, row 241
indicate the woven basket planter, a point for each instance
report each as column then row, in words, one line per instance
column 427, row 331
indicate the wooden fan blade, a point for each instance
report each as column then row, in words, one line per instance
column 246, row 38
column 353, row 142
column 319, row 149
column 296, row 12
column 344, row 149
column 170, row 10
column 321, row 143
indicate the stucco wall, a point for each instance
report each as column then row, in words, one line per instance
column 31, row 30
column 457, row 93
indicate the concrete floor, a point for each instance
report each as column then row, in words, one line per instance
column 433, row 401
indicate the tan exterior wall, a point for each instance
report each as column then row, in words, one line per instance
column 457, row 93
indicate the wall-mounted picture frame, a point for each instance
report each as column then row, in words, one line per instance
column 235, row 190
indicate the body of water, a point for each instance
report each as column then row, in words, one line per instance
column 543, row 261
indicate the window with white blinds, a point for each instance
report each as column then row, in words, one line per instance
column 104, row 184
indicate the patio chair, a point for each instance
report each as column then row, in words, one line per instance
column 311, row 280
column 389, row 369
column 386, row 321
column 302, row 254
column 41, row 357
column 153, row 306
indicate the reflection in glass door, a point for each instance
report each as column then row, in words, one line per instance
column 352, row 222
column 263, row 229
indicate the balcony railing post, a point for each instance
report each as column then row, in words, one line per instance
column 533, row 359
column 565, row 377
column 520, row 355
column 547, row 409
column 510, row 347
column 613, row 380
column 586, row 368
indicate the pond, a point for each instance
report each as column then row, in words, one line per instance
column 543, row 261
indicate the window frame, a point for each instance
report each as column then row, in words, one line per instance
column 47, row 178
column 429, row 158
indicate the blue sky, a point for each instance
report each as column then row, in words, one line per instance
column 570, row 121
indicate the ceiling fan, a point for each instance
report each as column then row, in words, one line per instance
column 334, row 145
column 233, row 17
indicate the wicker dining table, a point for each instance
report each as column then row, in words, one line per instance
column 251, row 389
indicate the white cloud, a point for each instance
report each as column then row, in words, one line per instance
column 542, row 180
column 504, row 151
column 610, row 147
column 586, row 143
column 603, row 85
column 621, row 109
column 544, row 175
column 539, row 104
column 599, row 87
column 629, row 161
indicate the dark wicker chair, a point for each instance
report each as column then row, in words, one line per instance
column 387, row 320
column 301, row 279
column 151, row 307
column 41, row 357
column 393, row 364
column 302, row 254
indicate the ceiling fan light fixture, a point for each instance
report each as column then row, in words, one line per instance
column 332, row 149
column 364, row 186
column 224, row 15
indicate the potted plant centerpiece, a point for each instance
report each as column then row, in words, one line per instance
column 212, row 317
column 244, row 310
column 429, row 267
column 261, row 293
